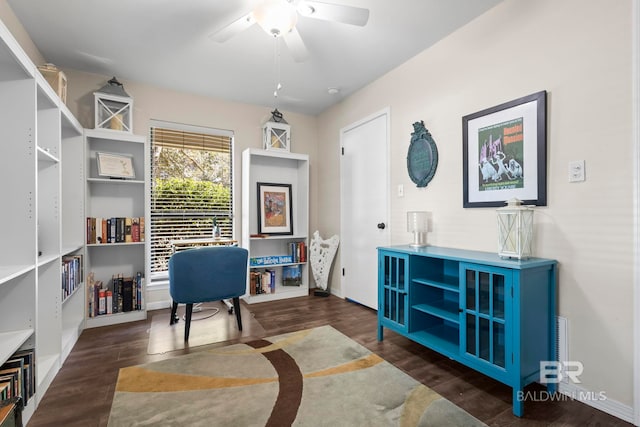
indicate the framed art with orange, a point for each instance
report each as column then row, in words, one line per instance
column 275, row 212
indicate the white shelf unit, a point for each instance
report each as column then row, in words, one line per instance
column 110, row 198
column 277, row 167
column 36, row 125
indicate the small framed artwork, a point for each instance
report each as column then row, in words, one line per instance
column 275, row 213
column 115, row 165
column 504, row 153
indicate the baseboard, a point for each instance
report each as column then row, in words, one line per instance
column 158, row 305
column 591, row 398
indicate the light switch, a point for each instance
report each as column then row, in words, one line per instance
column 576, row 171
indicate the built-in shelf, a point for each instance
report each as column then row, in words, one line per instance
column 283, row 168
column 44, row 169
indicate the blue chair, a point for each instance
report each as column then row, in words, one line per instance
column 206, row 274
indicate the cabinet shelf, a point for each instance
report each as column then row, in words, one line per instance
column 115, row 181
column 45, row 156
column 45, row 259
column 444, row 309
column 67, row 250
column 277, row 265
column 115, row 318
column 279, row 237
column 451, row 285
column 104, row 245
column 10, row 272
column 443, row 338
column 11, row 342
column 80, row 286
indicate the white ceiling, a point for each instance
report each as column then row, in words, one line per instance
column 165, row 43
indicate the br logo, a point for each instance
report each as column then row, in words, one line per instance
column 552, row 372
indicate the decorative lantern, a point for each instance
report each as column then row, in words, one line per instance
column 418, row 224
column 515, row 230
column 276, row 133
column 113, row 107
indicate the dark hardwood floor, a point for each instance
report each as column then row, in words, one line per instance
column 81, row 393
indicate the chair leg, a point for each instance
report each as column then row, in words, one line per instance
column 174, row 318
column 236, row 308
column 187, row 323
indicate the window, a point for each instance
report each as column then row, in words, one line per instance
column 191, row 187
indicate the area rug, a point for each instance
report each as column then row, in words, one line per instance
column 204, row 330
column 314, row 377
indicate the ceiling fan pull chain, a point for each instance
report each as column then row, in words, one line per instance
column 276, row 54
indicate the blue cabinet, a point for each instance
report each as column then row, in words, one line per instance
column 494, row 315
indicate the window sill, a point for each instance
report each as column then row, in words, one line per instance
column 158, row 284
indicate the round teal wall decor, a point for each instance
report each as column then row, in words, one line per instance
column 422, row 158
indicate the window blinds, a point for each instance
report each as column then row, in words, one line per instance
column 191, row 186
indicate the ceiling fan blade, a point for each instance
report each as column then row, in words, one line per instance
column 240, row 24
column 296, row 46
column 334, row 12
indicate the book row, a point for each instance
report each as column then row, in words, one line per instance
column 72, row 274
column 264, row 282
column 17, row 377
column 121, row 294
column 298, row 251
column 115, row 230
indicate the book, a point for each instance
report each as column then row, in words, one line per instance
column 291, row 275
column 113, row 237
column 5, row 387
column 127, row 294
column 9, row 414
column 102, row 302
column 135, row 229
column 109, row 302
column 18, row 363
column 142, row 229
column 103, row 232
column 28, row 355
column 128, row 238
column 14, row 375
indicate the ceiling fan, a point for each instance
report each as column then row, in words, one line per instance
column 279, row 17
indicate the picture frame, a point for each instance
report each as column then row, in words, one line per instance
column 275, row 212
column 504, row 153
column 115, row 165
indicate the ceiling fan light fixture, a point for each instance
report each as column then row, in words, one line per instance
column 306, row 9
column 276, row 17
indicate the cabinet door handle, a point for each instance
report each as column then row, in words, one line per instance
column 381, row 225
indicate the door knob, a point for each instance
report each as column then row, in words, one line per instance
column 381, row 226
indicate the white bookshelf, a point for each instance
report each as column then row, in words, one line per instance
column 36, row 129
column 279, row 167
column 109, row 198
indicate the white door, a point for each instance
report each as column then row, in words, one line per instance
column 364, row 211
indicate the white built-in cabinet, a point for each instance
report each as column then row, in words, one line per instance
column 279, row 167
column 112, row 198
column 41, row 146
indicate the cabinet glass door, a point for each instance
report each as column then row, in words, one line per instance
column 484, row 313
column 393, row 288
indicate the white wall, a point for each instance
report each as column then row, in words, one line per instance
column 580, row 53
